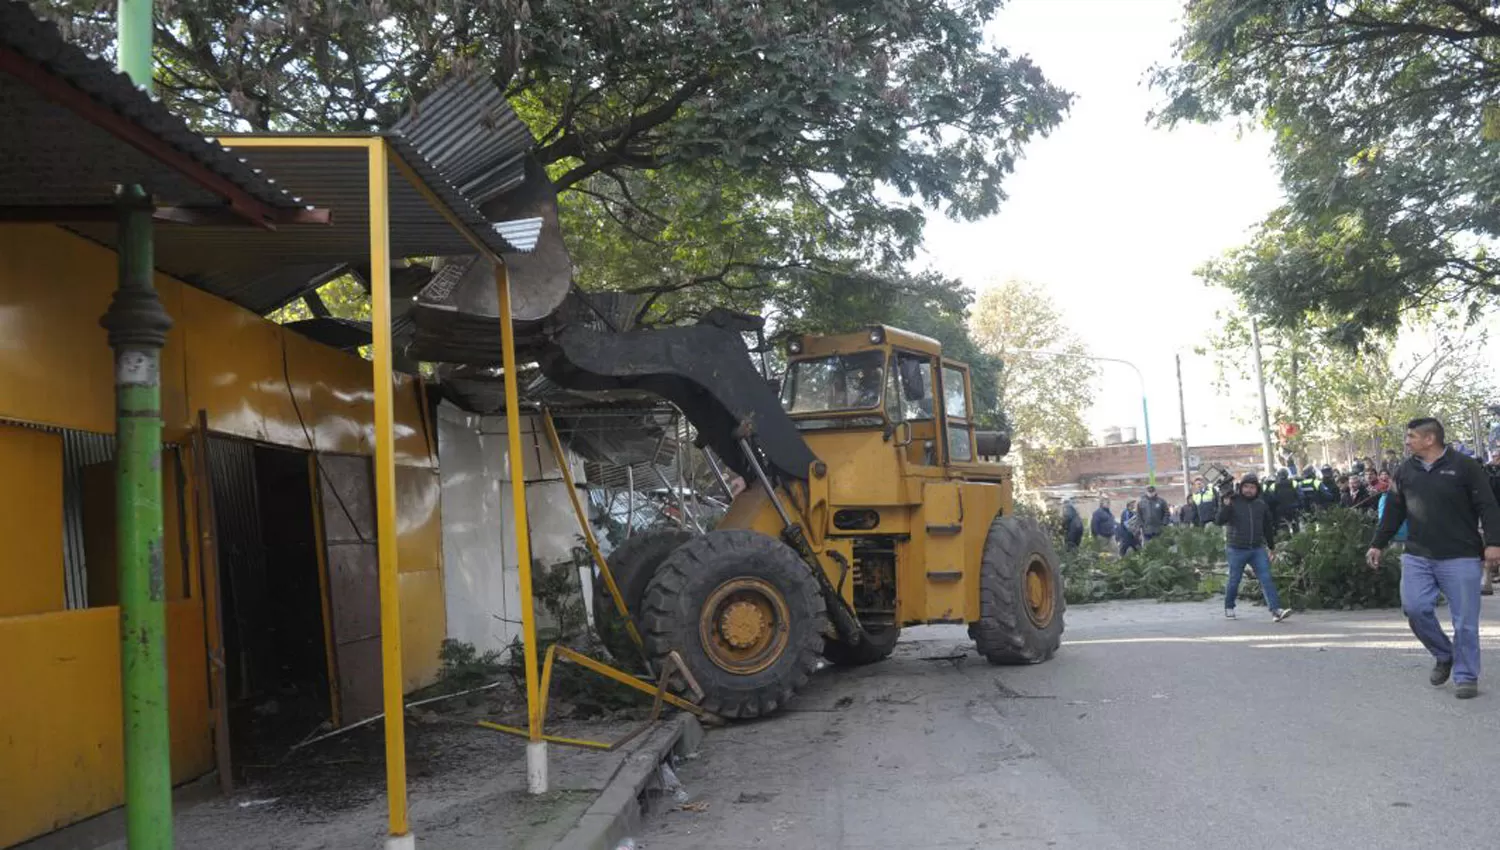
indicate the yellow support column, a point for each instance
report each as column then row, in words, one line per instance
column 536, row 747
column 399, row 836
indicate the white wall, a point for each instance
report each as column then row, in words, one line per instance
column 481, row 575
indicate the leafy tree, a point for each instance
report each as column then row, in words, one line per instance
column 1385, row 115
column 1045, row 398
column 1363, row 396
column 343, row 297
column 704, row 143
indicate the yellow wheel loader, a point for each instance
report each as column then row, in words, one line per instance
column 867, row 508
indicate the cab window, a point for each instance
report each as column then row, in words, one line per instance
column 912, row 379
column 956, row 410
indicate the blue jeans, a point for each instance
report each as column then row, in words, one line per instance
column 1459, row 580
column 1261, row 561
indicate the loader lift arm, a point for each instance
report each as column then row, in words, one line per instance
column 705, row 370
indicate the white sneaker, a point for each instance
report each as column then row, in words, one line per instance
column 1281, row 614
column 1229, row 613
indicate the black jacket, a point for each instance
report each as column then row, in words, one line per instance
column 1072, row 525
column 1103, row 522
column 1284, row 500
column 1443, row 508
column 1153, row 513
column 1248, row 523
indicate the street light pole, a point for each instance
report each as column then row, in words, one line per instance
column 1145, row 411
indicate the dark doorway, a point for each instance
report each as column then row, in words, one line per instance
column 274, row 638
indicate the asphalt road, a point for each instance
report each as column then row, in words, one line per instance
column 1157, row 726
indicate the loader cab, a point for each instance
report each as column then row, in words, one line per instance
column 886, row 381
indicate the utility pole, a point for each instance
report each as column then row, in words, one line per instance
column 1187, row 486
column 137, row 325
column 1260, row 385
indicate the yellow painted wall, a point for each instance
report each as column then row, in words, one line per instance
column 60, row 734
column 60, row 728
column 31, row 522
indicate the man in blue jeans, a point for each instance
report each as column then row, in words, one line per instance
column 1444, row 497
column 1249, row 535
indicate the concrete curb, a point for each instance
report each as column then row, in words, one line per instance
column 616, row 813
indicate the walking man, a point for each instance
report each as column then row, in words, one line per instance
column 1153, row 512
column 1249, row 536
column 1125, row 529
column 1443, row 497
column 1072, row 525
column 1102, row 523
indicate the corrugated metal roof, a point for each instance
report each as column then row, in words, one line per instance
column 263, row 270
column 468, row 131
column 53, row 155
column 522, row 233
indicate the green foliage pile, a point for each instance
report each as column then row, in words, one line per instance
column 462, row 666
column 1322, row 566
column 1182, row 563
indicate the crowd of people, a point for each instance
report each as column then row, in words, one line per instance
column 1298, row 492
column 1440, row 501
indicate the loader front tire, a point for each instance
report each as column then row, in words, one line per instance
column 1020, row 595
column 745, row 615
column 632, row 564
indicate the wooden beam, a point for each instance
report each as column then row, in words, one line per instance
column 200, row 216
column 251, row 209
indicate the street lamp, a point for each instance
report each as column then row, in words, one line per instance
column 1145, row 412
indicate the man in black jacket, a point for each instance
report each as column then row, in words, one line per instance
column 1154, row 513
column 1072, row 525
column 1249, row 535
column 1102, row 523
column 1443, row 496
column 1285, row 503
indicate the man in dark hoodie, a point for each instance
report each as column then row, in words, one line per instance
column 1249, row 535
column 1072, row 525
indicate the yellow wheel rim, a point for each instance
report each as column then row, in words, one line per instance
column 1041, row 593
column 745, row 625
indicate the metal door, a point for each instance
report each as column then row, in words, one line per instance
column 346, row 502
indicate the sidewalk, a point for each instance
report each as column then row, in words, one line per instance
column 467, row 791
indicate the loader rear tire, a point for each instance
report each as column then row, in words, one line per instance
column 877, row 646
column 745, row 615
column 632, row 564
column 1020, row 595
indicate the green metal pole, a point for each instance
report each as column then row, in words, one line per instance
column 133, row 41
column 137, row 331
column 138, row 325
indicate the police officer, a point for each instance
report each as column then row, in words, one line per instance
column 1204, row 511
column 1284, row 500
column 1307, row 490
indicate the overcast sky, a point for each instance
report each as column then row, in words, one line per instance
column 1111, row 215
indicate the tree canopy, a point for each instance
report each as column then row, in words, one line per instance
column 1386, row 115
column 702, row 144
column 1045, row 398
column 1362, row 396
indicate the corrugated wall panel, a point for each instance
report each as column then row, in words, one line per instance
column 80, row 449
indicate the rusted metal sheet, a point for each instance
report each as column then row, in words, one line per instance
column 346, row 488
column 242, row 557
